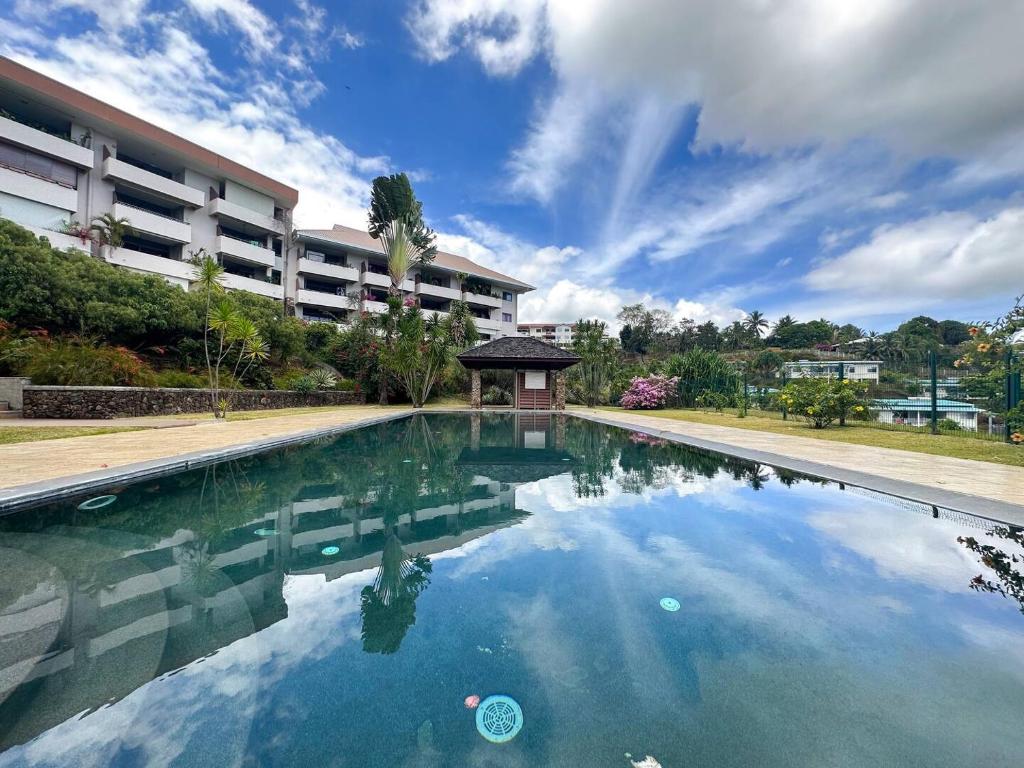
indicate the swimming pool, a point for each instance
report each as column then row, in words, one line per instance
column 341, row 603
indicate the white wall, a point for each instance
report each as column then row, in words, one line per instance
column 251, row 199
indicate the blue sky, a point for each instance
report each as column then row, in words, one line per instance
column 857, row 161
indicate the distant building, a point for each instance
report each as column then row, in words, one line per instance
column 855, row 370
column 917, row 412
column 559, row 334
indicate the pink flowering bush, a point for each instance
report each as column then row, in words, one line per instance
column 648, row 393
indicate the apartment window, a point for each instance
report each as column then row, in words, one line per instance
column 506, row 296
column 23, row 160
column 506, row 317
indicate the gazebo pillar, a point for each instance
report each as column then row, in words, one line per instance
column 558, row 396
column 474, row 394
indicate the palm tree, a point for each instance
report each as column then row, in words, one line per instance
column 396, row 219
column 786, row 321
column 755, row 323
column 208, row 277
column 111, row 230
column 388, row 607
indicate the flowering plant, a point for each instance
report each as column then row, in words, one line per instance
column 822, row 401
column 648, row 393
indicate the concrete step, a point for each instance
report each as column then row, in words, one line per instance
column 9, row 414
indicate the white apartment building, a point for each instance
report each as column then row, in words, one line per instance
column 559, row 334
column 68, row 157
column 342, row 270
column 855, row 370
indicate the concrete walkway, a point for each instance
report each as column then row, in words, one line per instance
column 955, row 483
column 77, row 462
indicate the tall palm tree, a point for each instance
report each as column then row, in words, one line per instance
column 396, row 219
column 755, row 323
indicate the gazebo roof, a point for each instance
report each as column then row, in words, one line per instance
column 518, row 352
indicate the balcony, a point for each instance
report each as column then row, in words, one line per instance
column 320, row 299
column 438, row 291
column 59, row 240
column 174, row 271
column 45, row 143
column 233, row 212
column 374, row 307
column 486, row 324
column 482, row 299
column 30, row 187
column 164, row 188
column 253, row 285
column 155, row 224
column 384, row 281
column 310, row 267
column 243, row 251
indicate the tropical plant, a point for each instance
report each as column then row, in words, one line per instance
column 111, row 230
column 420, row 350
column 495, row 395
column 822, row 401
column 756, row 323
column 80, row 361
column 396, row 219
column 323, row 379
column 700, row 371
column 598, row 360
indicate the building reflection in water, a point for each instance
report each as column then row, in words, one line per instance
column 92, row 606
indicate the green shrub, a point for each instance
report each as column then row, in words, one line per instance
column 345, row 385
column 181, row 380
column 305, row 385
column 949, row 425
column 83, row 362
column 322, row 379
column 823, row 401
column 713, row 400
column 496, row 396
column 701, row 371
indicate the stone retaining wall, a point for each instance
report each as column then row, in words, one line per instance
column 116, row 402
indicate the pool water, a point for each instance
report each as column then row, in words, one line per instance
column 337, row 603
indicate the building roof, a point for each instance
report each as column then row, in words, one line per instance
column 923, row 404
column 89, row 110
column 545, row 325
column 833, row 362
column 357, row 238
column 517, row 352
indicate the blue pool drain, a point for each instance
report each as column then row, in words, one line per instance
column 265, row 532
column 499, row 719
column 670, row 604
column 330, row 551
column 98, row 503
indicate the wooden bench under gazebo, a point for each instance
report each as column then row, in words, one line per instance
column 538, row 370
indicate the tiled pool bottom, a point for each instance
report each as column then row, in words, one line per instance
column 335, row 604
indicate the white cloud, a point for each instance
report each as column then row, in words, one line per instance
column 259, row 30
column 502, row 35
column 949, row 256
column 743, row 60
column 249, row 114
column 569, row 285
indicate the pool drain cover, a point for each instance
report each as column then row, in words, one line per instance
column 499, row 719
column 98, row 503
column 670, row 604
column 265, row 532
column 330, row 551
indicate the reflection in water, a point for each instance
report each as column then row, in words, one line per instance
column 1009, row 580
column 97, row 604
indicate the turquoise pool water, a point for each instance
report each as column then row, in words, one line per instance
column 335, row 604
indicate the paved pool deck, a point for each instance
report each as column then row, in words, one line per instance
column 35, row 470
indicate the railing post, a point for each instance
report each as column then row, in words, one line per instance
column 933, row 372
column 785, row 411
column 842, row 376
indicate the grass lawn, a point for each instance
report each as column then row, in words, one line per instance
column 9, row 435
column 938, row 445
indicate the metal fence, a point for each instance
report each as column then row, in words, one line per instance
column 919, row 396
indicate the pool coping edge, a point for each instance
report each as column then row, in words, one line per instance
column 29, row 494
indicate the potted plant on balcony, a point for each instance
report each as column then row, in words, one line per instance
column 110, row 230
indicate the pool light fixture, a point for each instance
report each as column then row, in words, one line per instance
column 97, row 503
column 670, row 604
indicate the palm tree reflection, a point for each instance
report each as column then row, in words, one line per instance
column 388, row 606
